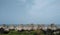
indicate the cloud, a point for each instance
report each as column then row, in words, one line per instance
column 31, row 10
column 42, row 7
column 43, row 10
column 35, row 9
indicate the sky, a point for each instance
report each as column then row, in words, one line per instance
column 29, row 11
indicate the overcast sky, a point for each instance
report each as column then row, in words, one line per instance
column 30, row 11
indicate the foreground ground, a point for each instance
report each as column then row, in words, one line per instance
column 37, row 32
column 24, row 33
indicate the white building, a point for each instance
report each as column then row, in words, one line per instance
column 11, row 27
column 19, row 27
column 52, row 27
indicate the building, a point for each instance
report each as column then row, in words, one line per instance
column 19, row 27
column 52, row 27
column 11, row 27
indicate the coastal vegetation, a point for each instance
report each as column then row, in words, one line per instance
column 36, row 32
column 23, row 33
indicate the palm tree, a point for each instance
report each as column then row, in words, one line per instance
column 32, row 26
column 39, row 27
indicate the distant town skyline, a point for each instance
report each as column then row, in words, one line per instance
column 29, row 11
